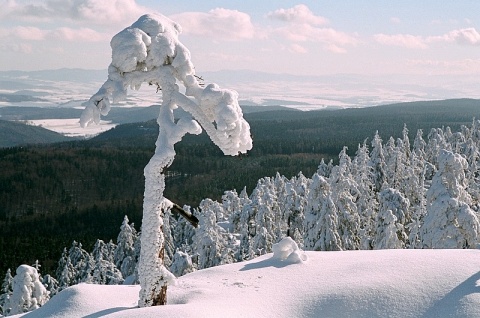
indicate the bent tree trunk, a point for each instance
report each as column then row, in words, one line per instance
column 149, row 52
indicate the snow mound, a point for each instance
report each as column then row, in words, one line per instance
column 287, row 250
column 90, row 300
column 380, row 283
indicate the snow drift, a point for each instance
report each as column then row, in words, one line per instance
column 382, row 283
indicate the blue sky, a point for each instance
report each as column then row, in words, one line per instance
column 309, row 37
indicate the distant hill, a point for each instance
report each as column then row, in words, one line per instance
column 323, row 130
column 15, row 134
column 348, row 126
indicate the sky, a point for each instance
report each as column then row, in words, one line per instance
column 315, row 37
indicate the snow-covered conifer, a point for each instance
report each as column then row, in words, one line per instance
column 247, row 231
column 105, row 272
column 321, row 219
column 124, row 256
column 377, row 162
column 450, row 222
column 51, row 284
column 435, row 143
column 232, row 207
column 28, row 291
column 324, row 169
column 344, row 195
column 386, row 231
column 392, row 201
column 208, row 241
column 419, row 144
column 181, row 264
column 183, row 232
column 293, row 211
column 362, row 172
column 6, row 293
column 65, row 272
column 82, row 263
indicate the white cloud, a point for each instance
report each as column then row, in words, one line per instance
column 93, row 11
column 218, row 23
column 308, row 33
column 468, row 36
column 298, row 14
column 16, row 48
column 21, row 33
column 29, row 33
column 335, row 49
column 81, row 35
column 296, row 48
column 304, row 26
column 403, row 40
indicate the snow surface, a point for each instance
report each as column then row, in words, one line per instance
column 381, row 283
column 70, row 127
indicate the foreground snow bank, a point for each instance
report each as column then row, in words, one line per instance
column 382, row 283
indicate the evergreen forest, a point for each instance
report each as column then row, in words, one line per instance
column 52, row 195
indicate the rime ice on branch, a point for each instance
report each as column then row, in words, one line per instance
column 149, row 52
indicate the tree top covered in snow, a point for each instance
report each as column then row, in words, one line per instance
column 150, row 52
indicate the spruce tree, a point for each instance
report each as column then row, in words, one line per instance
column 6, row 293
column 450, row 222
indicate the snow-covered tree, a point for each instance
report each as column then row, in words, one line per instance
column 232, row 207
column 386, row 232
column 124, row 256
column 247, row 229
column 28, row 291
column 265, row 224
column 65, row 272
column 293, row 211
column 419, row 144
column 450, row 222
column 436, row 143
column 321, row 219
column 183, row 233
column 209, row 242
column 377, row 162
column 105, row 272
column 82, row 264
column 6, row 293
column 149, row 51
column 324, row 169
column 362, row 173
column 181, row 264
column 391, row 201
column 51, row 284
column 344, row 195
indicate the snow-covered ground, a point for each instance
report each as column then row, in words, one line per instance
column 71, row 127
column 381, row 283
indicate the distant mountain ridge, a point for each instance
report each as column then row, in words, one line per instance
column 414, row 114
column 15, row 134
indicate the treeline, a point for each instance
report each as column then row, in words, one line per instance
column 52, row 195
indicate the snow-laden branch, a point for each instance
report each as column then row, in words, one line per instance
column 139, row 53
